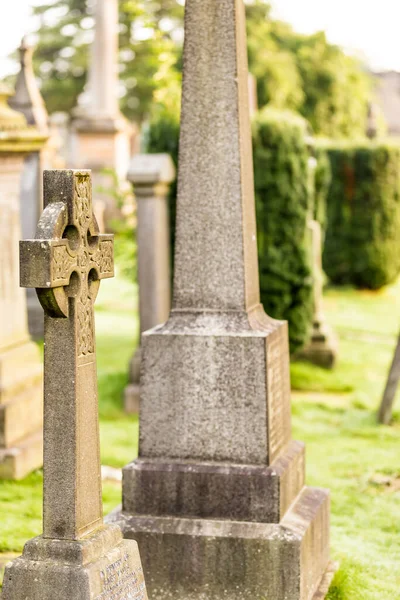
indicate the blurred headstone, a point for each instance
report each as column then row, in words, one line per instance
column 21, row 371
column 76, row 557
column 150, row 175
column 28, row 100
column 101, row 136
column 217, row 498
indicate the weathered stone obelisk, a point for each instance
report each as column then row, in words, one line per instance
column 100, row 134
column 28, row 100
column 77, row 556
column 21, row 373
column 151, row 175
column 216, row 498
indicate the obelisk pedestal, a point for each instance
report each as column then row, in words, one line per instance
column 77, row 557
column 150, row 175
column 21, row 372
column 217, row 499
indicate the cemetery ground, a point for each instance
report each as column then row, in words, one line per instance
column 333, row 412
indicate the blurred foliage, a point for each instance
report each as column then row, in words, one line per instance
column 362, row 244
column 293, row 71
column 283, row 198
column 283, row 203
column 124, row 228
column 323, row 179
column 307, row 74
column 149, row 42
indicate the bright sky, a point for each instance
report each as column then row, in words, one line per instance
column 367, row 28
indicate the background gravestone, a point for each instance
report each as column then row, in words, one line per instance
column 20, row 366
column 100, row 134
column 151, row 175
column 216, row 498
column 76, row 557
column 28, row 100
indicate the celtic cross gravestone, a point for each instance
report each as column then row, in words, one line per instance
column 77, row 556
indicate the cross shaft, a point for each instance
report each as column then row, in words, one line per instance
column 65, row 264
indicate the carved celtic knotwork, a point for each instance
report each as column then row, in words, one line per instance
column 82, row 202
column 85, row 326
column 103, row 258
column 69, row 243
column 63, row 262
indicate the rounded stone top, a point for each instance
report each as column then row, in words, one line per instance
column 15, row 134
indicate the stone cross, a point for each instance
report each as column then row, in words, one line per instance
column 77, row 556
column 65, row 264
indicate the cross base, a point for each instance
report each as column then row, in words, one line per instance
column 209, row 559
column 98, row 567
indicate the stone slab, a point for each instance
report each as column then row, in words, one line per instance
column 17, row 462
column 215, row 491
column 229, row 397
column 21, row 415
column 204, row 559
column 99, row 567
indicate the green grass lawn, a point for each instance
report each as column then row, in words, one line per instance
column 333, row 412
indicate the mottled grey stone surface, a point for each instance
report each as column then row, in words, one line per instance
column 102, row 566
column 216, row 498
column 150, row 175
column 210, row 559
column 215, row 491
column 77, row 556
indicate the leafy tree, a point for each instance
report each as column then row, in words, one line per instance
column 308, row 74
column 297, row 72
column 150, row 33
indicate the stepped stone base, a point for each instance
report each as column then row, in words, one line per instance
column 257, row 493
column 99, row 567
column 23, row 458
column 204, row 559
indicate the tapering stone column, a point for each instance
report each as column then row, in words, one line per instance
column 217, row 496
column 21, row 398
column 28, row 100
column 150, row 175
column 100, row 134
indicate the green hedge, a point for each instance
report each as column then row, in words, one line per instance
column 282, row 202
column 362, row 244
